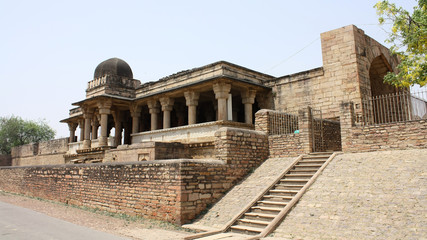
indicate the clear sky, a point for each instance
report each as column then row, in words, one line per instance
column 50, row 49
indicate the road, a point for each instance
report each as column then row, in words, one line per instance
column 19, row 223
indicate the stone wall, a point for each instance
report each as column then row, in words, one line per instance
column 401, row 135
column 5, row 160
column 348, row 54
column 286, row 145
column 48, row 152
column 171, row 190
column 147, row 151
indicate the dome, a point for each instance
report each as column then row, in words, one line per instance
column 115, row 67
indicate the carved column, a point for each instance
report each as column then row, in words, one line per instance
column 95, row 126
column 167, row 106
column 104, row 110
column 248, row 99
column 82, row 129
column 72, row 127
column 192, row 100
column 153, row 107
column 117, row 127
column 135, row 112
column 87, row 114
column 221, row 91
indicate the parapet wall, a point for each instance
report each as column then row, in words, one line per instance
column 48, row 152
column 170, row 190
column 400, row 135
column 312, row 134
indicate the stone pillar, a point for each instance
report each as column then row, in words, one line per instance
column 87, row 114
column 104, row 110
column 192, row 100
column 153, row 107
column 305, row 124
column 347, row 121
column 95, row 126
column 72, row 127
column 82, row 129
column 117, row 127
column 167, row 106
column 221, row 91
column 248, row 99
column 135, row 112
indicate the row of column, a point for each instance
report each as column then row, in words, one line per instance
column 222, row 94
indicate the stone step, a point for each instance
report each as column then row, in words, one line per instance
column 290, row 186
column 304, row 170
column 299, row 175
column 309, row 165
column 283, row 198
column 316, row 156
column 320, row 153
column 252, row 221
column 247, row 228
column 275, row 203
column 272, row 209
column 260, row 215
column 312, row 161
column 284, row 191
column 293, row 180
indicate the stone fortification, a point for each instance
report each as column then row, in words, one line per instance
column 363, row 138
column 171, row 190
column 48, row 152
column 348, row 55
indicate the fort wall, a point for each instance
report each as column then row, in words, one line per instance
column 388, row 136
column 170, row 190
column 347, row 57
column 47, row 152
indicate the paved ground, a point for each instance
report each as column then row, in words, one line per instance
column 121, row 227
column 21, row 223
column 375, row 195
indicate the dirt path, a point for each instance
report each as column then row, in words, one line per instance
column 133, row 228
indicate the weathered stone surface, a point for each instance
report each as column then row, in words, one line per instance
column 378, row 195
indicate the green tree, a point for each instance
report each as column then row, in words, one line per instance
column 14, row 131
column 408, row 37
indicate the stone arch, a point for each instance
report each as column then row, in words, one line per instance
column 378, row 69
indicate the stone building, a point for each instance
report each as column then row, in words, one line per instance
column 208, row 127
column 189, row 106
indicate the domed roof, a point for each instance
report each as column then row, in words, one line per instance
column 113, row 66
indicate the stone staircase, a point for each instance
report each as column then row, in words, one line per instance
column 262, row 215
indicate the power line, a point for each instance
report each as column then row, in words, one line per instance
column 296, row 53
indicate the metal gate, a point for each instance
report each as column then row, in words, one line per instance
column 317, row 131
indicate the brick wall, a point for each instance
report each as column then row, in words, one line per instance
column 171, row 190
column 402, row 135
